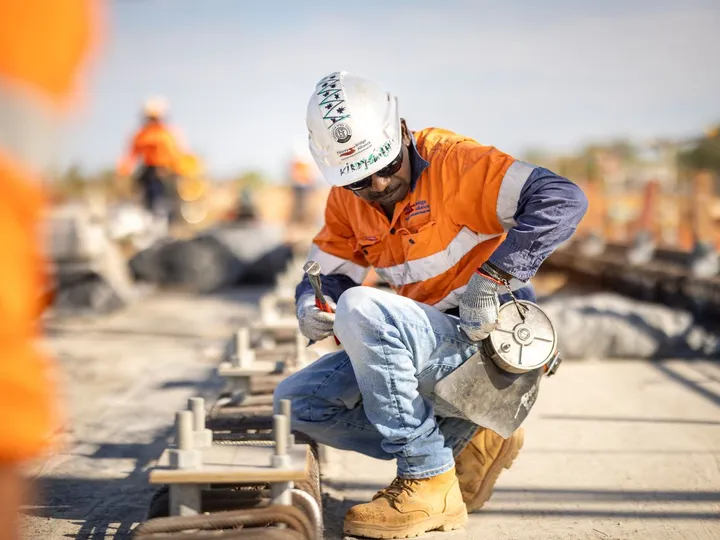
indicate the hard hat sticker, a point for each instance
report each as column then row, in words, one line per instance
column 355, row 149
column 331, row 100
column 341, row 132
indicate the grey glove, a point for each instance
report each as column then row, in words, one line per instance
column 315, row 324
column 479, row 307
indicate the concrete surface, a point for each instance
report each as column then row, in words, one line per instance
column 123, row 378
column 614, row 450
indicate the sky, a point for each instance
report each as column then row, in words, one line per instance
column 513, row 74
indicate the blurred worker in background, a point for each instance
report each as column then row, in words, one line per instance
column 43, row 44
column 302, row 178
column 451, row 225
column 161, row 159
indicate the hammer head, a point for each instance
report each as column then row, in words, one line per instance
column 312, row 268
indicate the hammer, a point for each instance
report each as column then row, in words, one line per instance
column 312, row 269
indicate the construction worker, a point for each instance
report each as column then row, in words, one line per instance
column 43, row 44
column 447, row 222
column 157, row 149
column 302, row 180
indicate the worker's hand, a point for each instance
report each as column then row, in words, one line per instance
column 479, row 307
column 314, row 324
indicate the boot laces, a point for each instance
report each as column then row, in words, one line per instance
column 397, row 488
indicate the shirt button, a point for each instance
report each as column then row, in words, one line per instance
column 411, row 241
column 392, row 231
column 365, row 251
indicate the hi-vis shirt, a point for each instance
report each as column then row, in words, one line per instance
column 468, row 203
column 155, row 146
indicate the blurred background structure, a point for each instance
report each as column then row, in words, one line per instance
column 640, row 108
column 623, row 98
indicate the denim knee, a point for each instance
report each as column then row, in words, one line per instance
column 285, row 390
column 281, row 392
column 356, row 306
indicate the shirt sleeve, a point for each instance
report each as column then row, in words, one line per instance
column 539, row 214
column 534, row 208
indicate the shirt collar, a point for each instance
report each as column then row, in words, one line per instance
column 417, row 163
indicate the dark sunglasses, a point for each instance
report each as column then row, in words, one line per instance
column 390, row 169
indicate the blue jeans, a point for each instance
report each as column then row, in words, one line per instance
column 376, row 396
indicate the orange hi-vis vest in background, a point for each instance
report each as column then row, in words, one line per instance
column 301, row 173
column 448, row 225
column 42, row 46
column 155, row 146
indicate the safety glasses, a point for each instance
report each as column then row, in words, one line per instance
column 390, row 169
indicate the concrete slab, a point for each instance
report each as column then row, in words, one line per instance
column 614, row 450
column 617, row 450
column 123, row 377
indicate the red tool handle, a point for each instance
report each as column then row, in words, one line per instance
column 327, row 309
column 323, row 307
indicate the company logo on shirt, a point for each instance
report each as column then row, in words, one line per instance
column 416, row 209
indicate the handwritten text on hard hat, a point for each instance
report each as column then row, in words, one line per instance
column 364, row 164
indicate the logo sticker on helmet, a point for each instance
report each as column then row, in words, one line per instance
column 341, row 132
column 347, row 153
column 354, row 149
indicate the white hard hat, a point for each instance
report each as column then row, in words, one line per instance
column 155, row 107
column 354, row 128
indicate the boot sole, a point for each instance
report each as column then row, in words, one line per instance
column 443, row 522
column 508, row 452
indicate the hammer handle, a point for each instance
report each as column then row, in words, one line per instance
column 317, row 289
column 320, row 301
column 327, row 309
column 322, row 305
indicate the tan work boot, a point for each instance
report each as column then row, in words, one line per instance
column 481, row 462
column 409, row 508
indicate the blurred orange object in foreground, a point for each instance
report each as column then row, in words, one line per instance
column 43, row 44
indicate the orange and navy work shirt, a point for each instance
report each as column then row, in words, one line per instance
column 154, row 145
column 468, row 204
column 43, row 45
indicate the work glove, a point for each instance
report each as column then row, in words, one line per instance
column 479, row 307
column 315, row 324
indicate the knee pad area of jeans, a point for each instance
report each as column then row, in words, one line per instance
column 357, row 304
